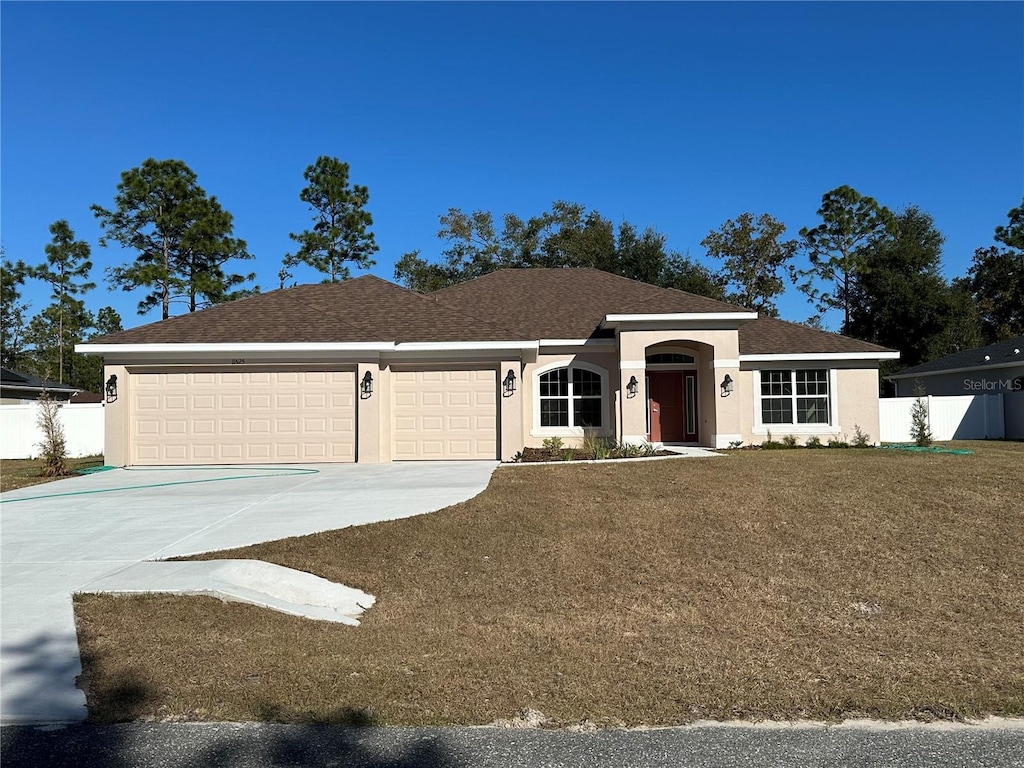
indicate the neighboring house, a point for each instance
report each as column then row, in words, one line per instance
column 997, row 369
column 368, row 371
column 16, row 388
column 983, row 371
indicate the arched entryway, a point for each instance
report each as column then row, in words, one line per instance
column 673, row 394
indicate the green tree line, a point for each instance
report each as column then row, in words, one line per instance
column 880, row 270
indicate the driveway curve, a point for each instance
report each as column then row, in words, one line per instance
column 59, row 537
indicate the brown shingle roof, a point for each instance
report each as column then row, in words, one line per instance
column 771, row 336
column 508, row 305
column 364, row 309
column 567, row 303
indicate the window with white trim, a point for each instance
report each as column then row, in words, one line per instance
column 795, row 396
column 570, row 397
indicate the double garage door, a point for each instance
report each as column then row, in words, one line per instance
column 276, row 416
column 242, row 417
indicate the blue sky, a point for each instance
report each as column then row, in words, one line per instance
column 674, row 115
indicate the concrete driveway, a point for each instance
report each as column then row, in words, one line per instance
column 59, row 537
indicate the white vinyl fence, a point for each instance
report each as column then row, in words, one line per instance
column 20, row 435
column 957, row 417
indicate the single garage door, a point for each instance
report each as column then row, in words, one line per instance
column 242, row 417
column 444, row 415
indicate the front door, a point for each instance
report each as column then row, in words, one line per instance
column 672, row 399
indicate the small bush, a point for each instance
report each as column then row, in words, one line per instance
column 517, row 458
column 789, row 441
column 734, row 444
column 860, row 439
column 567, row 454
column 598, row 447
column 552, row 443
column 813, row 442
column 770, row 444
column 627, row 451
column 53, row 448
column 838, row 444
column 920, row 429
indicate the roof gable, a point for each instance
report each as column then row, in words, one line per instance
column 568, row 303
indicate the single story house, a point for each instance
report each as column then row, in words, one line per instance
column 17, row 387
column 368, row 371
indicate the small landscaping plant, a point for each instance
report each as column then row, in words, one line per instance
column 567, row 454
column 838, row 444
column 860, row 438
column 770, row 444
column 552, row 443
column 789, row 441
column 598, row 447
column 813, row 442
column 920, row 429
column 54, row 452
column 734, row 444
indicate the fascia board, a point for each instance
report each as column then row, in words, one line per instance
column 968, row 369
column 681, row 317
column 463, row 346
column 806, row 356
column 146, row 349
column 576, row 342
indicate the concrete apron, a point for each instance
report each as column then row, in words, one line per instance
column 95, row 533
column 246, row 581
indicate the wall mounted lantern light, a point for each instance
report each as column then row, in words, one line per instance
column 111, row 388
column 367, row 385
column 726, row 385
column 509, row 383
column 632, row 387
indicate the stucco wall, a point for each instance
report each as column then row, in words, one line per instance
column 854, row 400
column 115, row 435
column 604, row 359
column 718, row 352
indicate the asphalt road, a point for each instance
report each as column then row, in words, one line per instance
column 229, row 745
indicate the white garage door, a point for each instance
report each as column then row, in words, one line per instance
column 242, row 417
column 444, row 415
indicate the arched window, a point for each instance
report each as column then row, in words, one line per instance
column 571, row 397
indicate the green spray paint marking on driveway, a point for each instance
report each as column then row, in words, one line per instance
column 270, row 472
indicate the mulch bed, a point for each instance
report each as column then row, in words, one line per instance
column 538, row 455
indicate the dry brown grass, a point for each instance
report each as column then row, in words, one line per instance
column 767, row 585
column 21, row 473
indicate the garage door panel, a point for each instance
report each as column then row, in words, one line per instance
column 440, row 414
column 214, row 417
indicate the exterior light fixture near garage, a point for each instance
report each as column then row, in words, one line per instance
column 509, row 383
column 726, row 385
column 366, row 386
column 632, row 387
column 111, row 388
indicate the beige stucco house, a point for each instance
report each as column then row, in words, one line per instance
column 368, row 371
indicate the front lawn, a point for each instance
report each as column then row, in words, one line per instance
column 785, row 584
column 21, row 473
